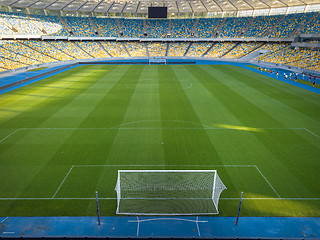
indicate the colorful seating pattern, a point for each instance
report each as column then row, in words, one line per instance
column 71, row 49
column 219, row 49
column 290, row 23
column 115, row 49
column 260, row 24
column 233, row 27
column 157, row 28
column 207, row 27
column 32, row 25
column 107, row 27
column 181, row 28
column 157, row 49
column 178, row 49
column 81, row 26
column 312, row 27
column 93, row 48
column 132, row 27
column 198, row 49
column 46, row 49
column 136, row 49
column 241, row 50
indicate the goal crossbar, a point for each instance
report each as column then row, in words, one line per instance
column 168, row 192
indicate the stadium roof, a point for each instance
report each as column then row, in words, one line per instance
column 174, row 6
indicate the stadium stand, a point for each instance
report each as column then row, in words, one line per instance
column 198, row 49
column 290, row 23
column 17, row 47
column 14, row 56
column 80, row 26
column 11, row 64
column 181, row 28
column 132, row 27
column 71, row 49
column 207, row 27
column 157, row 28
column 136, row 49
column 233, row 27
column 284, row 54
column 107, row 27
column 47, row 49
column 94, row 48
column 260, row 25
column 178, row 49
column 36, row 54
column 313, row 26
column 115, row 49
column 18, row 53
column 157, row 49
column 220, row 49
column 241, row 50
column 21, row 24
column 51, row 24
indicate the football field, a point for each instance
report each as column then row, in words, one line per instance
column 65, row 137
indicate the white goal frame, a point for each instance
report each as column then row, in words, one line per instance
column 214, row 198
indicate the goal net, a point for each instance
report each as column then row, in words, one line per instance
column 168, row 192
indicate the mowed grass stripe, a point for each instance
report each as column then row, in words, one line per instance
column 134, row 143
column 93, row 146
column 74, row 153
column 249, row 114
column 40, row 102
column 111, row 109
column 185, row 147
column 72, row 114
column 69, row 148
column 293, row 103
column 42, row 160
column 215, row 114
column 231, row 144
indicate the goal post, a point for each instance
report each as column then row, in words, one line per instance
column 168, row 192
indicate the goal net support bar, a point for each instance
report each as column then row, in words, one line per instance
column 168, row 192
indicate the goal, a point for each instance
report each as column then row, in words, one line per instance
column 157, row 60
column 168, row 192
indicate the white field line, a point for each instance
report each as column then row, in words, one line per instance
column 159, row 128
column 268, row 182
column 312, row 133
column 53, row 197
column 4, row 219
column 198, row 226
column 143, row 165
column 167, row 219
column 9, row 135
column 225, row 199
column 62, row 182
column 138, row 227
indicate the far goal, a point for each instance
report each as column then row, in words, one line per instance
column 157, row 61
column 168, row 192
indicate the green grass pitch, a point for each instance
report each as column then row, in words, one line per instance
column 65, row 137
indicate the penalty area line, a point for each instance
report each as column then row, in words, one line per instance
column 9, row 135
column 268, row 182
column 312, row 133
column 62, row 182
